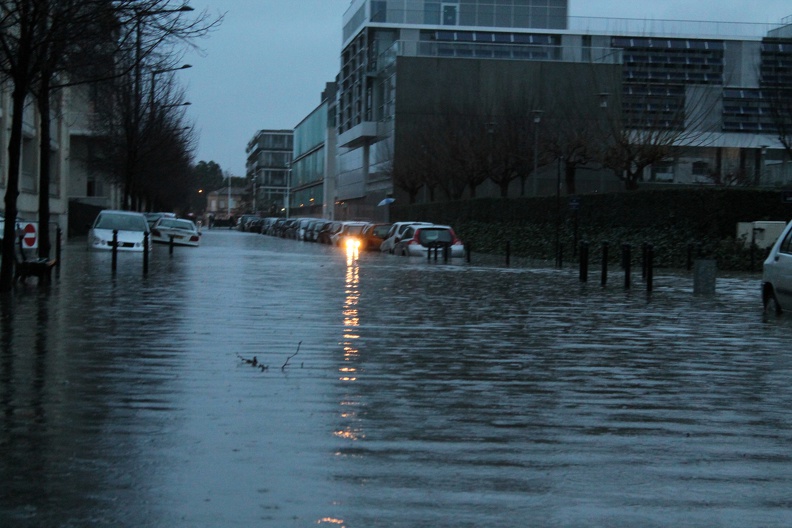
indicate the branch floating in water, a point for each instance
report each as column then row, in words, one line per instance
column 288, row 358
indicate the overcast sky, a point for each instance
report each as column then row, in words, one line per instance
column 267, row 64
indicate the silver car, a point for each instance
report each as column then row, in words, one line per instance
column 777, row 275
column 395, row 234
column 418, row 240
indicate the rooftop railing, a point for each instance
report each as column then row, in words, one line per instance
column 497, row 51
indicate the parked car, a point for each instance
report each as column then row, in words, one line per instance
column 350, row 231
column 132, row 228
column 302, row 228
column 777, row 274
column 267, row 224
column 327, row 231
column 244, row 220
column 276, row 227
column 312, row 231
column 152, row 218
column 183, row 231
column 373, row 236
column 255, row 225
column 395, row 234
column 289, row 228
column 417, row 240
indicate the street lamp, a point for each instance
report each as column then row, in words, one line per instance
column 154, row 74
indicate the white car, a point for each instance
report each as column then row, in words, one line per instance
column 183, row 232
column 418, row 240
column 395, row 233
column 131, row 228
column 777, row 275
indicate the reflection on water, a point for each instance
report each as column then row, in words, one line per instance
column 424, row 394
column 349, row 369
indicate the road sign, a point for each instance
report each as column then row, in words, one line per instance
column 29, row 234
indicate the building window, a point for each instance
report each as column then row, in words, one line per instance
column 663, row 172
column 450, row 14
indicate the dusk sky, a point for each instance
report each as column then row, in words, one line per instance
column 267, row 64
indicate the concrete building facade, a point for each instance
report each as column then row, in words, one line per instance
column 269, row 156
column 709, row 78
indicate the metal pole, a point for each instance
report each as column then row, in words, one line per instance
column 145, row 253
column 114, row 264
column 604, row 275
column 58, row 243
column 558, row 213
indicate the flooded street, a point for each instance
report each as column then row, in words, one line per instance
column 397, row 393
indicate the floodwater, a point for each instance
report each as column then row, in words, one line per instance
column 397, row 393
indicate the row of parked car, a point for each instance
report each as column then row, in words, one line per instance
column 399, row 238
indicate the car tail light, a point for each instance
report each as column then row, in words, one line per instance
column 194, row 238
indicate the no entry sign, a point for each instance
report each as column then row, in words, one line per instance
column 29, row 234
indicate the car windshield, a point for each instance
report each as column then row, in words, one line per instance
column 177, row 224
column 381, row 231
column 355, row 229
column 121, row 222
column 429, row 236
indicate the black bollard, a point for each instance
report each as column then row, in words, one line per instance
column 446, row 252
column 584, row 261
column 170, row 245
column 508, row 253
column 604, row 274
column 649, row 268
column 114, row 264
column 58, row 248
column 644, row 251
column 467, row 252
column 145, row 253
column 626, row 264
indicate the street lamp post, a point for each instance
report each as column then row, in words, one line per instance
column 154, row 74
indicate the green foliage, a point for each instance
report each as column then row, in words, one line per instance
column 680, row 224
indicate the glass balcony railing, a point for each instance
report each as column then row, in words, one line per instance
column 496, row 51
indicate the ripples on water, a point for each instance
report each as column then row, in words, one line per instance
column 423, row 395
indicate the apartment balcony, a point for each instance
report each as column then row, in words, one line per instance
column 359, row 135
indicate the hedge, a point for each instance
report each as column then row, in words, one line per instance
column 674, row 221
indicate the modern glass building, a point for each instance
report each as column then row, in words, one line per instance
column 717, row 78
column 313, row 166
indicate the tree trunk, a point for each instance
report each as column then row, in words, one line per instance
column 12, row 188
column 44, row 169
column 570, row 170
column 504, row 188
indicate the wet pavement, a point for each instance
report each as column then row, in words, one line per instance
column 397, row 393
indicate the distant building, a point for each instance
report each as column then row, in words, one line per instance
column 313, row 165
column 269, row 156
column 225, row 202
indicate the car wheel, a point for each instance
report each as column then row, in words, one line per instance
column 770, row 302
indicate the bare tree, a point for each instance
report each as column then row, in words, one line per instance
column 41, row 39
